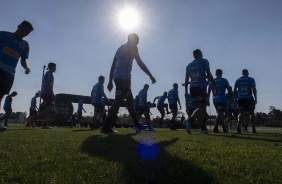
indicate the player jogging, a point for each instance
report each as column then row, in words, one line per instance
column 161, row 106
column 173, row 98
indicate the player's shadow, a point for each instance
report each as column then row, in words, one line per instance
column 257, row 137
column 164, row 168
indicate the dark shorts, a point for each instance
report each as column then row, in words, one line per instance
column 8, row 111
column 123, row 89
column 98, row 107
column 231, row 112
column 6, row 82
column 32, row 112
column 47, row 99
column 173, row 108
column 199, row 94
column 190, row 112
column 220, row 106
column 143, row 110
column 79, row 114
column 246, row 104
column 161, row 109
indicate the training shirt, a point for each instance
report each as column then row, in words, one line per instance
column 123, row 65
column 11, row 49
column 33, row 103
column 79, row 106
column 172, row 97
column 189, row 102
column 8, row 103
column 48, row 77
column 196, row 70
column 161, row 100
column 142, row 94
column 222, row 84
column 244, row 85
column 97, row 93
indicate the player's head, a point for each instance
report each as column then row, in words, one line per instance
column 245, row 72
column 165, row 93
column 218, row 72
column 146, row 86
column 101, row 79
column 133, row 39
column 14, row 93
column 24, row 29
column 197, row 53
column 37, row 94
column 52, row 67
column 175, row 86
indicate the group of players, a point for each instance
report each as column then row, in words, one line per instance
column 198, row 75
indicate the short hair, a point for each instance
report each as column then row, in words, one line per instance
column 245, row 72
column 101, row 77
column 165, row 93
column 197, row 52
column 218, row 72
column 133, row 36
column 175, row 85
column 51, row 65
column 27, row 24
column 146, row 86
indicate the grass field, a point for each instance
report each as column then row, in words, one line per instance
column 78, row 155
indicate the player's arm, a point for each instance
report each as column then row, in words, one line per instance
column 209, row 94
column 186, row 84
column 83, row 109
column 255, row 94
column 155, row 99
column 179, row 103
column 110, row 84
column 135, row 54
column 235, row 93
column 106, row 98
column 24, row 65
column 210, row 78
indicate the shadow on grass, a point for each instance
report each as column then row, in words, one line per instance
column 164, row 168
column 254, row 137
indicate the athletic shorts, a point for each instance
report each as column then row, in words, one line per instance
column 32, row 112
column 220, row 106
column 47, row 99
column 8, row 111
column 231, row 112
column 199, row 94
column 246, row 104
column 173, row 108
column 161, row 110
column 190, row 112
column 98, row 107
column 6, row 82
column 143, row 110
column 79, row 114
column 123, row 89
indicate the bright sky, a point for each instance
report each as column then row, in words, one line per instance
column 83, row 36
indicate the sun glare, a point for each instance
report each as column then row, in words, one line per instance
column 128, row 19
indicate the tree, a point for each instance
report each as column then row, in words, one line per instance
column 274, row 113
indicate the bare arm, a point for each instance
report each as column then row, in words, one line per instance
column 210, row 78
column 110, row 84
column 106, row 98
column 140, row 63
column 186, row 86
column 155, row 99
column 24, row 65
column 255, row 94
column 179, row 103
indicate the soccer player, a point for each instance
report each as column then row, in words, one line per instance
column 198, row 70
column 121, row 74
column 13, row 47
column 144, row 107
column 8, row 107
column 247, row 98
column 231, row 110
column 33, row 110
column 97, row 101
column 219, row 99
column 161, row 106
column 79, row 110
column 47, row 94
column 173, row 98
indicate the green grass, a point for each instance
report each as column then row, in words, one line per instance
column 78, row 155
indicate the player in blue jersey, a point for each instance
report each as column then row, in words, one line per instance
column 231, row 110
column 79, row 110
column 8, row 107
column 161, row 106
column 198, row 71
column 13, row 47
column 173, row 98
column 144, row 107
column 97, row 95
column 136, row 100
column 33, row 110
column 48, row 95
column 219, row 99
column 121, row 74
column 247, row 98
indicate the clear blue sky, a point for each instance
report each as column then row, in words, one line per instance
column 83, row 36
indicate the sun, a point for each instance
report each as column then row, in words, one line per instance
column 128, row 19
